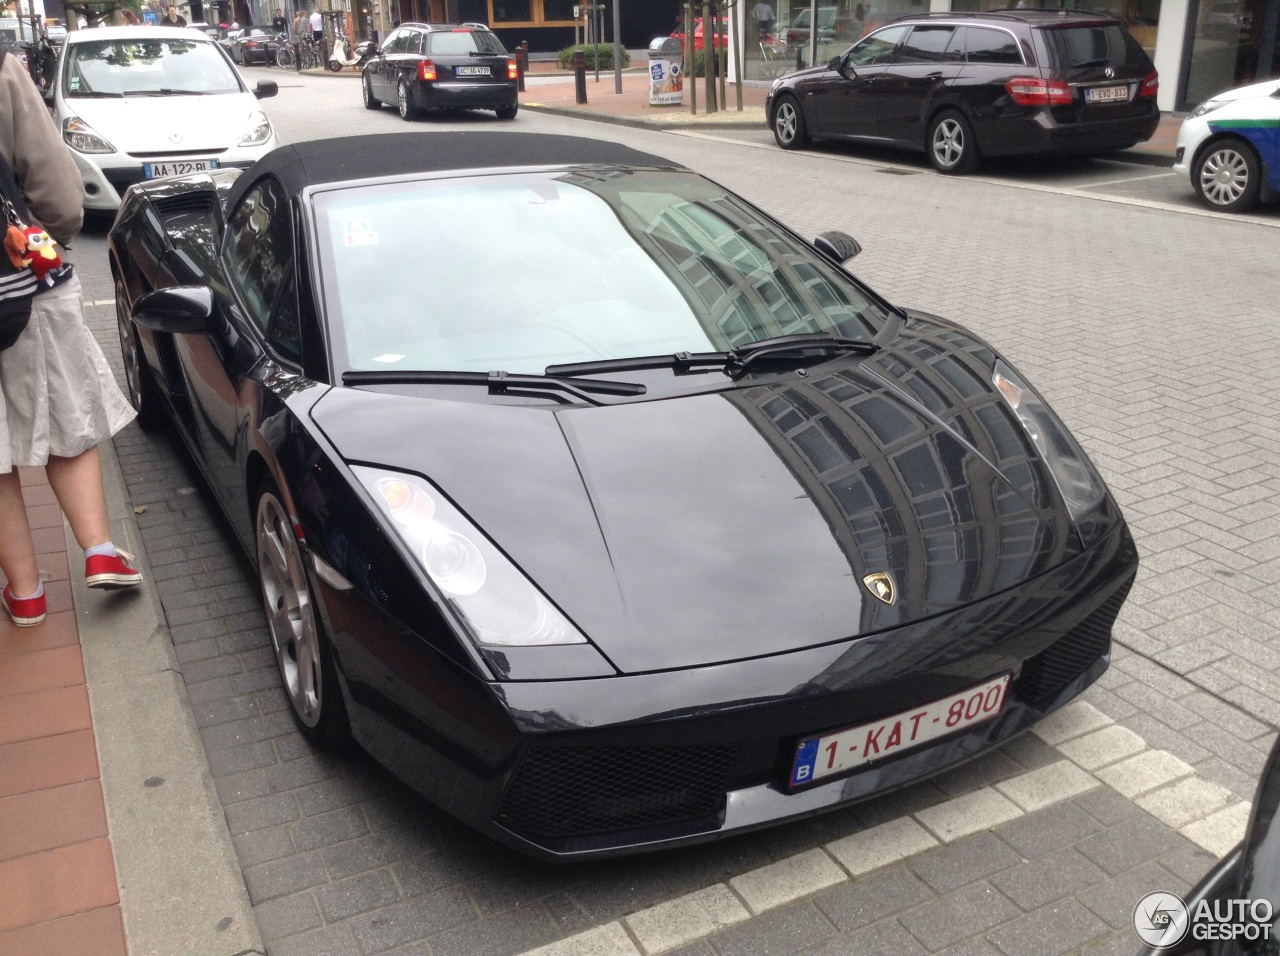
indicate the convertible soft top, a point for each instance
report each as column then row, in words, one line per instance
column 395, row 154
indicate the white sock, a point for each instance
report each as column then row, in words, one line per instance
column 29, row 597
column 106, row 550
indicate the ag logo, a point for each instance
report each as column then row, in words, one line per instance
column 1161, row 919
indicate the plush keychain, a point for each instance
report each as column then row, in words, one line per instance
column 32, row 247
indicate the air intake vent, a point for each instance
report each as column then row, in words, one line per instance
column 1067, row 658
column 201, row 201
column 579, row 791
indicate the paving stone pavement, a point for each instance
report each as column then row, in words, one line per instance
column 1162, row 367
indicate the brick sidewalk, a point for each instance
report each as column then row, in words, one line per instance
column 60, row 894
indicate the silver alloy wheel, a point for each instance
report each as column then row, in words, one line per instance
column 785, row 121
column 129, row 349
column 1224, row 176
column 948, row 142
column 290, row 614
column 402, row 100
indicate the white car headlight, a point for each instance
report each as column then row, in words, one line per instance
column 1208, row 106
column 1079, row 484
column 258, row 131
column 81, row 137
column 498, row 604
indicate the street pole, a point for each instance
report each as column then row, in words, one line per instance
column 617, row 47
column 813, row 32
column 709, row 57
column 737, row 52
column 691, row 75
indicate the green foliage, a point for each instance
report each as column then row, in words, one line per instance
column 604, row 51
column 700, row 63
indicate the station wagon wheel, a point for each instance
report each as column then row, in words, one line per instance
column 403, row 104
column 1227, row 176
column 788, row 124
column 297, row 637
column 507, row 112
column 951, row 146
column 371, row 102
column 143, row 393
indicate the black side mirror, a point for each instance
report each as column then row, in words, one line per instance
column 839, row 246
column 178, row 311
column 833, row 63
column 266, row 88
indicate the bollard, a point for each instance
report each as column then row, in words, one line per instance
column 297, row 55
column 523, row 61
column 520, row 68
column 580, row 75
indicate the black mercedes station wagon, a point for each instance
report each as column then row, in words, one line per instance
column 962, row 86
column 425, row 66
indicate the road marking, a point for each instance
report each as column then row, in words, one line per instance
column 1077, row 193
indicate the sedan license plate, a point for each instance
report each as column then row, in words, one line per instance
column 1106, row 94
column 178, row 168
column 844, row 750
column 473, row 71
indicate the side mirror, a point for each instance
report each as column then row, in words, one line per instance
column 178, row 311
column 833, row 63
column 839, row 246
column 266, row 88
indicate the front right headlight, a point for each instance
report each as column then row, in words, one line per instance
column 82, row 137
column 498, row 604
column 1208, row 106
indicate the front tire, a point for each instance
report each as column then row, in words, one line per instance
column 143, row 393
column 507, row 112
column 404, row 105
column 302, row 652
column 334, row 66
column 371, row 102
column 789, row 128
column 951, row 144
column 1227, row 176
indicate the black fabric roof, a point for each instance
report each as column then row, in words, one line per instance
column 395, row 154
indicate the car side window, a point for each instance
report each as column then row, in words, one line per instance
column 992, row 46
column 954, row 53
column 393, row 42
column 258, row 254
column 877, row 48
column 926, row 44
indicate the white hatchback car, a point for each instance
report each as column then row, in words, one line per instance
column 1229, row 147
column 139, row 103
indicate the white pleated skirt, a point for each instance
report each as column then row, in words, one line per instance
column 57, row 394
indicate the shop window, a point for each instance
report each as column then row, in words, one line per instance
column 553, row 10
column 512, row 11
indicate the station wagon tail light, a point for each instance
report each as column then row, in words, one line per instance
column 427, row 71
column 1036, row 91
column 1150, row 84
column 512, row 73
column 494, row 600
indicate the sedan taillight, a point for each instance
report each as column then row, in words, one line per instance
column 1034, row 91
column 1150, row 84
column 512, row 72
column 427, row 70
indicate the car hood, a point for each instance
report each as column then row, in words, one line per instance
column 741, row 523
column 1253, row 91
column 167, row 124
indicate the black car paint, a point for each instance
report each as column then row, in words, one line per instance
column 458, row 723
column 385, row 71
column 895, row 102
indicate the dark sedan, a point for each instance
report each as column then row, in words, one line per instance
column 441, row 66
column 961, row 86
column 254, row 45
column 626, row 517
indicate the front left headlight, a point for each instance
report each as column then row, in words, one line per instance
column 1079, row 484
column 498, row 604
column 258, row 130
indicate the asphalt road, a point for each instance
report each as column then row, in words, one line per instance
column 1150, row 325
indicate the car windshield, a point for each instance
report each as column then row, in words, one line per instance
column 455, row 42
column 521, row 271
column 145, row 67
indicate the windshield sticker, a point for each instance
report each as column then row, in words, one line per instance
column 357, row 233
column 75, row 83
column 390, row 358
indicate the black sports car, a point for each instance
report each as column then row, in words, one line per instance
column 625, row 517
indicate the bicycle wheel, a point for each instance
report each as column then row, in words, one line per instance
column 284, row 57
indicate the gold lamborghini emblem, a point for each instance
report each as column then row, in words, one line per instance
column 880, row 584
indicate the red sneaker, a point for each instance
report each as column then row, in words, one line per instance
column 109, row 573
column 26, row 612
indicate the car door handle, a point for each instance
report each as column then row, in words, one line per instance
column 934, row 75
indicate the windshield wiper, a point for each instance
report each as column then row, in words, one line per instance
column 497, row 381
column 94, row 94
column 795, row 346
column 164, row 91
column 676, row 360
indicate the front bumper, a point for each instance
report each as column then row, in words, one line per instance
column 599, row 767
column 105, row 177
